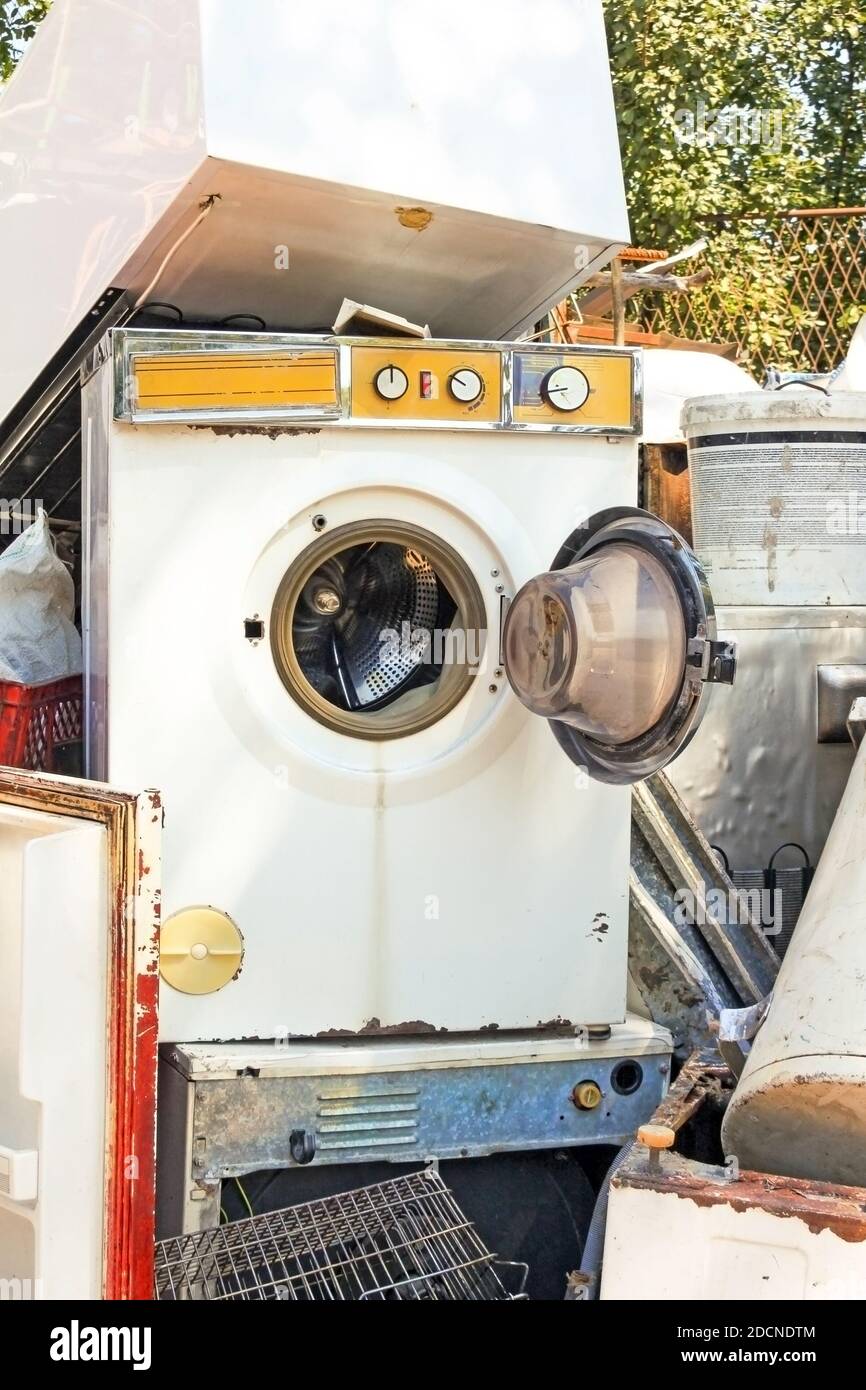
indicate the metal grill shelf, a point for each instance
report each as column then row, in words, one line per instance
column 405, row 1239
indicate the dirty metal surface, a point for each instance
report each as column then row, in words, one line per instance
column 821, row 1206
column 702, row 1076
column 688, row 966
column 247, row 1123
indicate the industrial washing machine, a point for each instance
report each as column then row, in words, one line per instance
column 316, row 616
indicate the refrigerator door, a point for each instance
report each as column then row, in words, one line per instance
column 80, row 868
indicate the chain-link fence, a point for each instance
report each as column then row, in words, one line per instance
column 787, row 289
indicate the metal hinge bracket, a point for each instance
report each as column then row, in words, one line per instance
column 716, row 662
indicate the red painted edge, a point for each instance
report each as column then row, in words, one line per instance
column 131, row 1170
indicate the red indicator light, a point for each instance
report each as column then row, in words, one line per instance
column 426, row 386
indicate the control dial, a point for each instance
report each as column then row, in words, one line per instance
column 391, row 383
column 565, row 388
column 465, row 385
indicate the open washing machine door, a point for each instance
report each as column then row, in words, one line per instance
column 616, row 645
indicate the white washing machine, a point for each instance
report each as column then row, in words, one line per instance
column 301, row 562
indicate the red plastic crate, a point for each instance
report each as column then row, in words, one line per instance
column 37, row 721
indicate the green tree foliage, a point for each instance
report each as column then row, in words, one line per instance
column 795, row 71
column 801, row 64
column 18, row 21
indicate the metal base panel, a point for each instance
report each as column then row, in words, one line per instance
column 231, row 1109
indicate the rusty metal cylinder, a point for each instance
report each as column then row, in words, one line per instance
column 800, row 1106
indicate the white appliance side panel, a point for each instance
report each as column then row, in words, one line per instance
column 53, row 943
column 754, row 776
column 467, row 106
column 713, row 1253
column 101, row 128
column 467, row 876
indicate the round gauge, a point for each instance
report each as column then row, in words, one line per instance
column 565, row 388
column 465, row 385
column 391, row 383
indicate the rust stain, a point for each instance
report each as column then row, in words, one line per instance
column 416, row 1025
column 820, row 1206
column 271, row 432
column 414, row 219
column 374, row 1028
column 600, row 926
column 653, row 979
column 769, row 542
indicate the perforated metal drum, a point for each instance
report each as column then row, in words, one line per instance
column 365, row 629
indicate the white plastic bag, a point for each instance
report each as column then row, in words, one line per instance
column 38, row 639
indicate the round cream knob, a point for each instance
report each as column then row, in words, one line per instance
column 586, row 1095
column 200, row 950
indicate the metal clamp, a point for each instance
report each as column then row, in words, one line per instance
column 302, row 1146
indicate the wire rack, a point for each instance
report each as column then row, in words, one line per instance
column 406, row 1239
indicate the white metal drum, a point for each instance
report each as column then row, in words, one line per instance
column 779, row 511
column 779, row 495
column 800, row 1105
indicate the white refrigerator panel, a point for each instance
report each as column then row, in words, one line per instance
column 53, row 945
column 457, row 164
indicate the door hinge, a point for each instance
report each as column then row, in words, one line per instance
column 715, row 662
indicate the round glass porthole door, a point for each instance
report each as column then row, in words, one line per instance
column 376, row 629
column 616, row 645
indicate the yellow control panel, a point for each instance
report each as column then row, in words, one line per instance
column 426, row 384
column 195, row 375
column 571, row 388
column 189, row 381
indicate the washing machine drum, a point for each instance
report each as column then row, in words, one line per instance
column 363, row 627
column 347, row 605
